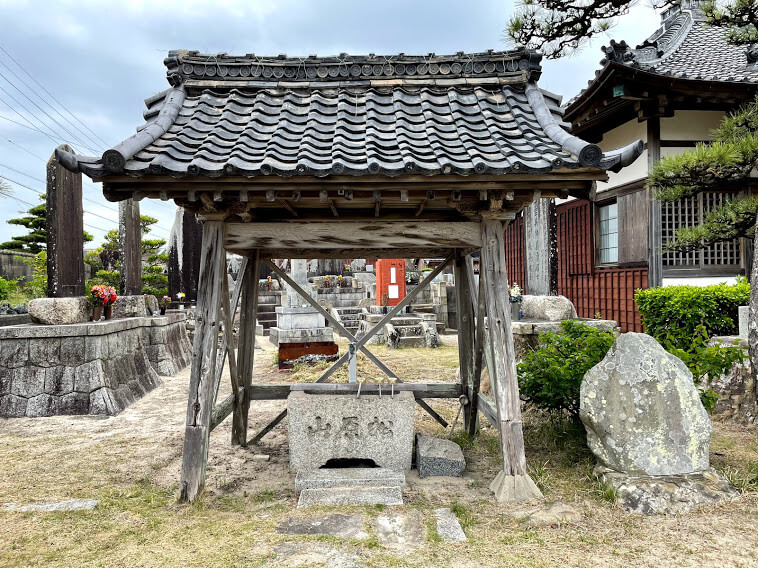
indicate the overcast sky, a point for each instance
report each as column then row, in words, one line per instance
column 100, row 60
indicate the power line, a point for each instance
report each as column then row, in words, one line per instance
column 32, row 90
column 43, row 111
column 106, row 144
column 34, row 126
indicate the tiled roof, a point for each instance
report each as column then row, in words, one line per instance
column 686, row 47
column 388, row 115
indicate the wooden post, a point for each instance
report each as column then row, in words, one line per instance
column 246, row 347
column 200, row 402
column 130, row 247
column 655, row 239
column 512, row 484
column 479, row 347
column 541, row 248
column 65, row 230
column 465, row 330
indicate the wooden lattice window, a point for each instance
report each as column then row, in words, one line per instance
column 608, row 232
column 687, row 213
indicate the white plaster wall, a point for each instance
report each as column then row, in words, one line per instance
column 699, row 281
column 616, row 138
column 690, row 125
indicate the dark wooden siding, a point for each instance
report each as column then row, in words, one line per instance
column 605, row 291
column 514, row 252
column 633, row 215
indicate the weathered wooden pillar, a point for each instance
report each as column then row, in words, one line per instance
column 513, row 483
column 655, row 230
column 65, row 230
column 246, row 349
column 541, row 248
column 465, row 330
column 202, row 375
column 129, row 247
column 477, row 299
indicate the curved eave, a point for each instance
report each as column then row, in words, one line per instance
column 593, row 95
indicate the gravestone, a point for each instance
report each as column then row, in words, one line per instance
column 65, row 231
column 300, row 332
column 129, row 247
column 184, row 248
column 541, row 243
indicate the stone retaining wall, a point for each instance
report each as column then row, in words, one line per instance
column 87, row 368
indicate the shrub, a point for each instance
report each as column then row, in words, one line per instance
column 707, row 362
column 673, row 314
column 7, row 287
column 551, row 375
column 37, row 286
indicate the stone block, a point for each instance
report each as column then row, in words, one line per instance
column 448, row 526
column 72, row 351
column 642, row 411
column 366, row 495
column 74, row 403
column 13, row 353
column 42, row 405
column 151, row 303
column 334, row 477
column 299, row 318
column 130, row 307
column 342, row 526
column 12, row 406
column 667, row 494
column 435, row 456
column 29, row 382
column 325, row 426
column 58, row 381
column 45, row 352
column 547, row 308
column 60, row 311
column 401, row 531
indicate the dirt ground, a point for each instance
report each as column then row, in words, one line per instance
column 131, row 463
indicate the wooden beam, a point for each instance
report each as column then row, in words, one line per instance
column 367, row 234
column 352, row 252
column 228, row 335
column 465, row 329
column 333, row 207
column 419, row 390
column 222, row 352
column 512, row 484
column 200, row 400
column 246, row 350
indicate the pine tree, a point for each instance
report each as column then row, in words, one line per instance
column 561, row 27
column 35, row 240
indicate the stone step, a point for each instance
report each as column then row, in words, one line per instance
column 409, row 330
column 352, row 495
column 401, row 321
column 349, row 310
column 347, row 476
column 412, row 341
column 423, row 308
column 350, row 317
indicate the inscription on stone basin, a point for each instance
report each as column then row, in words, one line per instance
column 328, row 426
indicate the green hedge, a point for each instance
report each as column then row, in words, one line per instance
column 674, row 312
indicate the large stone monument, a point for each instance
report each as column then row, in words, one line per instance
column 301, row 333
column 648, row 428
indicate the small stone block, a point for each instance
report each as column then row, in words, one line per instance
column 435, row 456
column 355, row 476
column 343, row 526
column 70, row 505
column 261, row 457
column 448, row 526
column 368, row 495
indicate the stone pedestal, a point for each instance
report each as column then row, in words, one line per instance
column 301, row 333
column 325, row 427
